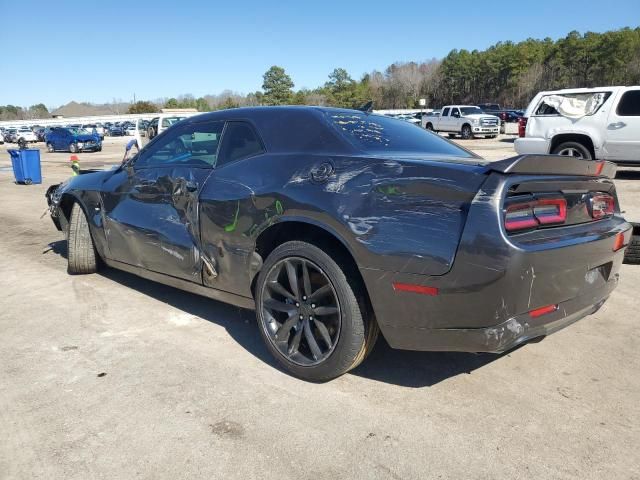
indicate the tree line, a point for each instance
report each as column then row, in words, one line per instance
column 508, row 73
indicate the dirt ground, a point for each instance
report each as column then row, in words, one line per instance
column 111, row 376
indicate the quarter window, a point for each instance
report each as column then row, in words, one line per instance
column 629, row 105
column 240, row 141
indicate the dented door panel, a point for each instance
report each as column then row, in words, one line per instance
column 152, row 219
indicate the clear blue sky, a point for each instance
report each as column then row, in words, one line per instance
column 56, row 50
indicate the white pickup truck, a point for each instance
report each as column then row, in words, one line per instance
column 591, row 123
column 464, row 120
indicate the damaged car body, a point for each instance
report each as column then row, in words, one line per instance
column 339, row 224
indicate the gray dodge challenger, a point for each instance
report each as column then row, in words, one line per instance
column 336, row 225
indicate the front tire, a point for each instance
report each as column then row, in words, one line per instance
column 573, row 149
column 308, row 313
column 81, row 252
column 466, row 132
column 73, row 148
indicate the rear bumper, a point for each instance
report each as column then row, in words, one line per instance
column 531, row 145
column 483, row 303
column 504, row 336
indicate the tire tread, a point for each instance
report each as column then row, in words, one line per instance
column 81, row 252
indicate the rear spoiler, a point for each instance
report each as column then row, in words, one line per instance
column 554, row 165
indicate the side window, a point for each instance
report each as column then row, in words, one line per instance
column 445, row 112
column 194, row 144
column 240, row 141
column 629, row 105
column 454, row 111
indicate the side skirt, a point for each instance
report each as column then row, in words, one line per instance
column 219, row 295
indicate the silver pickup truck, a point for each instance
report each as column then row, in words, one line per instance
column 464, row 120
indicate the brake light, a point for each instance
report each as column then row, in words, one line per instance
column 519, row 217
column 522, row 126
column 602, row 205
column 550, row 210
column 526, row 215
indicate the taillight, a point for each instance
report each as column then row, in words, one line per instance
column 531, row 214
column 522, row 126
column 602, row 205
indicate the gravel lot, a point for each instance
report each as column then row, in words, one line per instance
column 111, row 376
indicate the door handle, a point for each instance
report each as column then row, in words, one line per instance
column 191, row 186
column 617, row 125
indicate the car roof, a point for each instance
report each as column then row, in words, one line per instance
column 583, row 90
column 288, row 128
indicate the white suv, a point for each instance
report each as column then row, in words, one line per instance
column 590, row 123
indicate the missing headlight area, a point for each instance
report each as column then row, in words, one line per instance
column 572, row 105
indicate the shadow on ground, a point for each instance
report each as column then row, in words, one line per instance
column 628, row 174
column 396, row 367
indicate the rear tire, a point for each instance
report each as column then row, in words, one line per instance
column 573, row 149
column 73, row 148
column 50, row 148
column 351, row 336
column 429, row 127
column 81, row 253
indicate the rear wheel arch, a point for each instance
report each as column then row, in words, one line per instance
column 319, row 236
column 580, row 138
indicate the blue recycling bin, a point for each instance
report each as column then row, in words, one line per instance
column 26, row 166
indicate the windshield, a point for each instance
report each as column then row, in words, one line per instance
column 79, row 131
column 471, row 110
column 379, row 134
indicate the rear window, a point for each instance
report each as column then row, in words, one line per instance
column 379, row 134
column 573, row 105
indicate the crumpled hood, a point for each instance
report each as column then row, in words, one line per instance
column 86, row 181
column 87, row 138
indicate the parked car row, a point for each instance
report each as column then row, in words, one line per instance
column 19, row 135
column 38, row 133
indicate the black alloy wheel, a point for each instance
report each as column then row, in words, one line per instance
column 312, row 312
column 301, row 311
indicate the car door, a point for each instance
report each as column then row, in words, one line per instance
column 623, row 128
column 60, row 142
column 151, row 205
column 453, row 124
column 229, row 212
column 442, row 121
